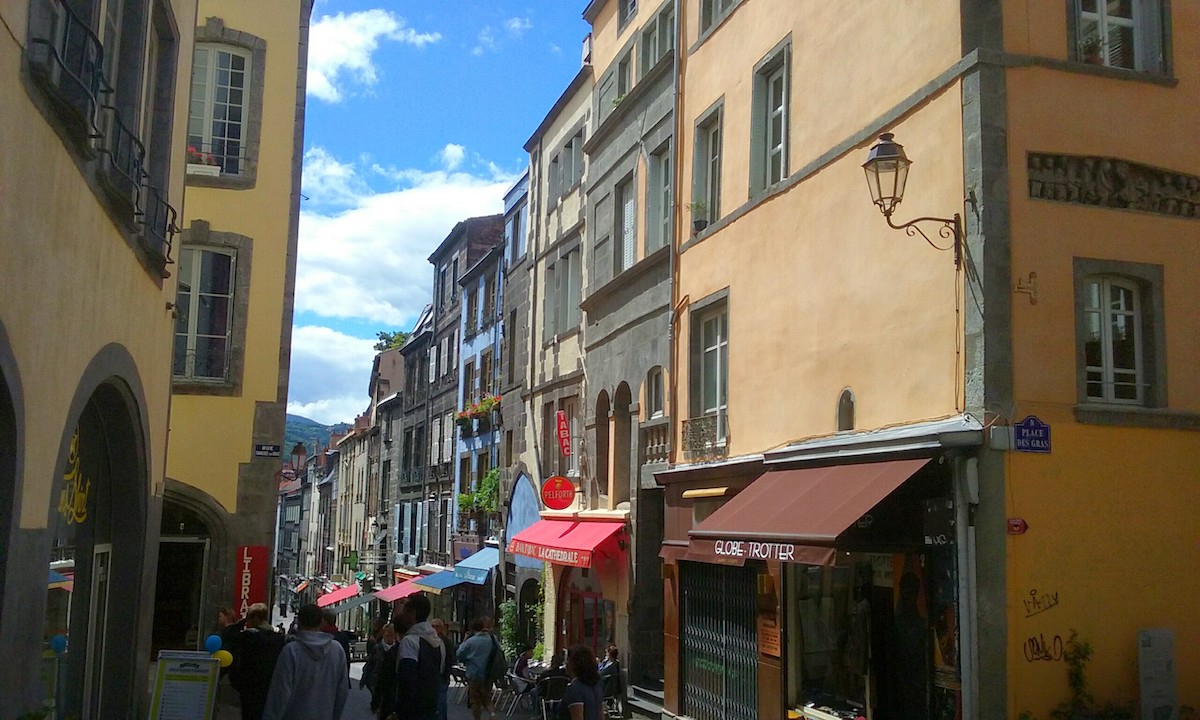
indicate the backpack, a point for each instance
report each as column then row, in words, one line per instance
column 497, row 663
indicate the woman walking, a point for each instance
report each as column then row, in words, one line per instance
column 584, row 698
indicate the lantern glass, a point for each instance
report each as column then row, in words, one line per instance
column 886, row 169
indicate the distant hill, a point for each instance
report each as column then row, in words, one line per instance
column 301, row 429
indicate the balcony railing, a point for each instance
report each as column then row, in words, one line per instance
column 705, row 437
column 157, row 219
column 125, row 158
column 655, row 441
column 66, row 58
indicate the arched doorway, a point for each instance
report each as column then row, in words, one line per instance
column 97, row 528
column 529, row 613
column 8, row 468
column 180, row 619
column 621, row 445
column 601, row 476
column 585, row 616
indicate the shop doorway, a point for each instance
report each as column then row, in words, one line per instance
column 529, row 613
column 179, row 622
column 587, row 617
column 719, row 658
column 97, row 629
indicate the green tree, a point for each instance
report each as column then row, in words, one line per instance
column 389, row 340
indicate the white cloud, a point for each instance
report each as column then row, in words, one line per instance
column 329, row 374
column 517, row 26
column 487, row 41
column 341, row 47
column 452, row 156
column 364, row 254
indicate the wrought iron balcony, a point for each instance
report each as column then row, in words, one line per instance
column 705, row 437
column 65, row 58
column 157, row 219
column 125, row 158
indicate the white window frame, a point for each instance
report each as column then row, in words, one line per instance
column 1146, row 26
column 195, row 267
column 708, row 145
column 1106, row 374
column 625, row 225
column 658, row 39
column 655, row 393
column 776, row 140
column 712, row 12
column 626, row 9
column 204, row 101
column 714, row 362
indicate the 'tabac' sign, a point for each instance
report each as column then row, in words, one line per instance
column 251, row 574
column 564, row 433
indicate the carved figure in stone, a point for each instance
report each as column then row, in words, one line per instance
column 1074, row 171
column 1036, row 177
column 1089, row 191
column 1106, row 184
column 1193, row 196
column 1060, row 179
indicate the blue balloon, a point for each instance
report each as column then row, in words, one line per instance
column 58, row 644
column 212, row 643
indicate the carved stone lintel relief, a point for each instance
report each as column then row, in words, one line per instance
column 1113, row 183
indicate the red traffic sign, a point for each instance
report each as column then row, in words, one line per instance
column 563, row 432
column 1017, row 526
column 558, row 493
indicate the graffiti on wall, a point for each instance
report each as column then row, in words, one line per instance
column 1039, row 602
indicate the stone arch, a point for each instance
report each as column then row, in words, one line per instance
column 601, row 445
column 622, row 445
column 104, row 446
column 11, row 446
column 205, row 542
column 845, row 410
column 530, row 594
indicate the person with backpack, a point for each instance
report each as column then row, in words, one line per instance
column 420, row 665
column 486, row 665
column 257, row 650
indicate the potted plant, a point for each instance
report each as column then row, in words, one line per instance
column 464, row 422
column 483, row 410
column 466, row 503
column 202, row 163
column 1091, row 51
column 699, row 214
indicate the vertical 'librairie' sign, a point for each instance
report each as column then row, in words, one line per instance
column 251, row 575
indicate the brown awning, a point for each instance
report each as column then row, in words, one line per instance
column 797, row 515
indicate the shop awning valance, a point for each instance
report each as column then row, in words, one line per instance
column 301, row 587
column 438, row 582
column 337, row 596
column 352, row 603
column 797, row 515
column 397, row 591
column 476, row 568
column 566, row 542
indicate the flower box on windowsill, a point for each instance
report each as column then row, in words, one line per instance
column 202, row 169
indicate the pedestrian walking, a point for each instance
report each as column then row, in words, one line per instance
column 310, row 681
column 375, row 659
column 422, row 662
column 256, row 652
column 584, row 697
column 384, row 699
column 439, row 626
column 329, row 625
column 480, row 654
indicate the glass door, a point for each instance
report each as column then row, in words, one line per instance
column 97, row 630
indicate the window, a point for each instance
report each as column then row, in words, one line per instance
column 515, row 233
column 845, row 410
column 625, row 231
column 468, row 383
column 489, row 301
column 769, row 133
column 435, row 446
column 1119, row 338
column 707, row 191
column 204, row 313
column 658, row 39
column 563, row 293
column 713, row 12
column 654, row 393
column 1126, row 34
column 626, row 9
column 443, row 289
column 472, row 312
column 710, row 367
column 217, row 121
column 658, row 200
column 571, row 163
column 554, row 181
column 486, row 386
column 624, row 77
column 1114, row 338
column 570, row 463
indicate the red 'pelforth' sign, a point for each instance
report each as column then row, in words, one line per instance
column 251, row 577
column 558, row 493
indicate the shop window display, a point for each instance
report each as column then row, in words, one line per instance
column 869, row 635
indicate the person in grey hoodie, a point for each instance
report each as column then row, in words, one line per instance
column 310, row 681
column 421, row 663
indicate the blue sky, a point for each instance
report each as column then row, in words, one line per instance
column 417, row 117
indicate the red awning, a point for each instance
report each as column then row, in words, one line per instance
column 566, row 542
column 797, row 515
column 337, row 595
column 397, row 591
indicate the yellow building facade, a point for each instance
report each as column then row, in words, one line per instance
column 233, row 314
column 959, row 454
column 94, row 98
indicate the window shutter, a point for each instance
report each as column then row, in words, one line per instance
column 1148, row 40
column 434, row 445
column 447, row 437
column 575, row 289
column 628, row 230
column 548, row 305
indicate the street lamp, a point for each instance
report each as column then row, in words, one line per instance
column 887, row 174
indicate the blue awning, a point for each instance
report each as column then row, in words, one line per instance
column 475, row 569
column 438, row 582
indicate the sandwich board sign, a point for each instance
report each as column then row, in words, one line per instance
column 185, row 686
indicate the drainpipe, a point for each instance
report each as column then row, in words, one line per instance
column 672, row 262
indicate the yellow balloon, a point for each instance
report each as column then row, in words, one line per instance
column 224, row 657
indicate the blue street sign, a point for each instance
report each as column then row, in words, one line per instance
column 1031, row 435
